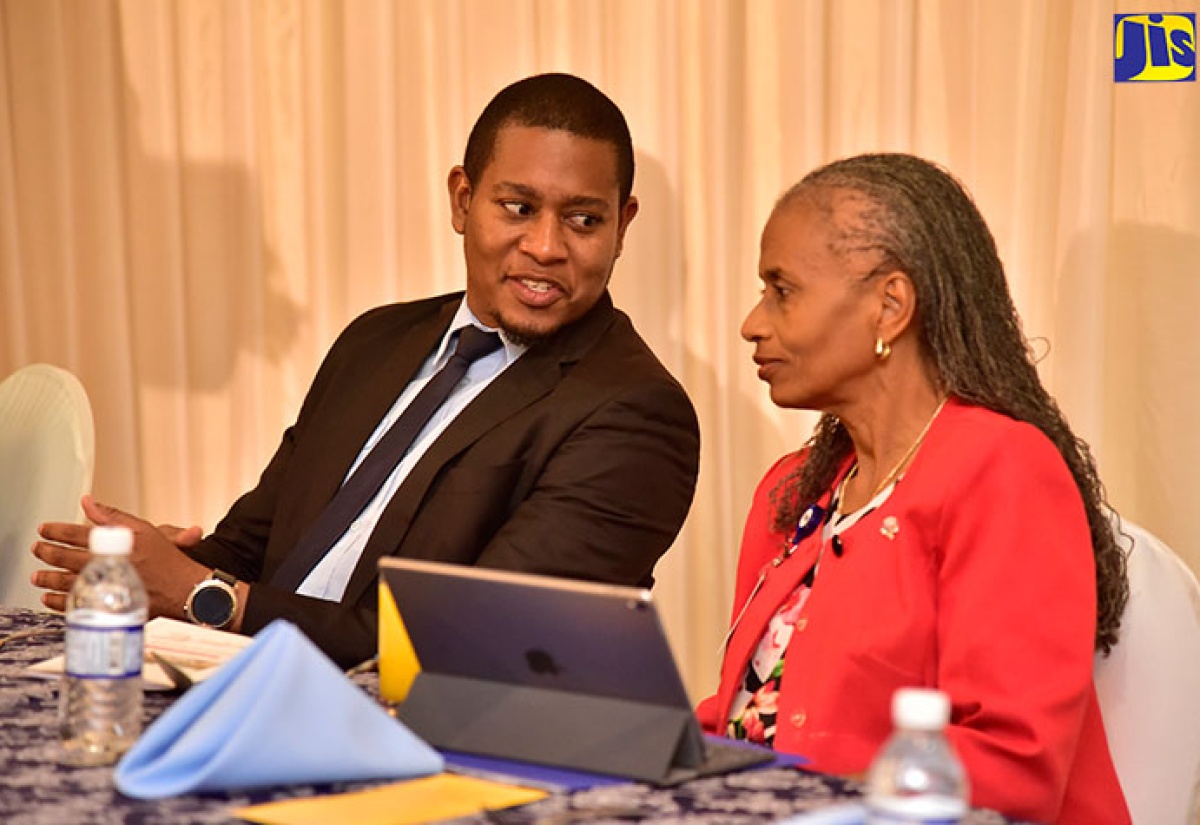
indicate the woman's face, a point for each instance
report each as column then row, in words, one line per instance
column 814, row 327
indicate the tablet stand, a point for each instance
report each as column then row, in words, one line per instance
column 591, row 733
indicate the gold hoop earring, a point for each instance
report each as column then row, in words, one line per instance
column 883, row 349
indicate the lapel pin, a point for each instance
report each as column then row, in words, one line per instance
column 809, row 521
column 890, row 527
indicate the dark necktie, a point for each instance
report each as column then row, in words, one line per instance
column 364, row 483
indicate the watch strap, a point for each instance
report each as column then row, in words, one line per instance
column 221, row 575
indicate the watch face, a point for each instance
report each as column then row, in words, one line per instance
column 212, row 605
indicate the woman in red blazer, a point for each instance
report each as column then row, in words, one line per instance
column 942, row 528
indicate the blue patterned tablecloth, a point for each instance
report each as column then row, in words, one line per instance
column 35, row 788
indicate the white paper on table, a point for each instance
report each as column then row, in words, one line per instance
column 197, row 651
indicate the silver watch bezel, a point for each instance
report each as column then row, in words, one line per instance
column 218, row 582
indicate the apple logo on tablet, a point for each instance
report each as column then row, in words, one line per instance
column 542, row 663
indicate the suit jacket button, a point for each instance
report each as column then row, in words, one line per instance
column 798, row 719
column 800, row 624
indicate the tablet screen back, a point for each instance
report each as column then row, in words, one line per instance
column 535, row 631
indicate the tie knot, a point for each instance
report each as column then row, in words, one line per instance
column 474, row 343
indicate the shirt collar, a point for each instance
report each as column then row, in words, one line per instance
column 464, row 317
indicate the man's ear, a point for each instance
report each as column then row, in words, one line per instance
column 459, row 187
column 628, row 213
column 898, row 304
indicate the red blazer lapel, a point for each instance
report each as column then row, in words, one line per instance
column 778, row 583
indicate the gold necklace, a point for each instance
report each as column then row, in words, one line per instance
column 895, row 471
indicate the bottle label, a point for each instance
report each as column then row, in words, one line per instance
column 103, row 645
column 916, row 810
column 877, row 818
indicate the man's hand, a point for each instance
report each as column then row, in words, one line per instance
column 185, row 538
column 166, row 571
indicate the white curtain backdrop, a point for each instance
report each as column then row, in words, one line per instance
column 196, row 195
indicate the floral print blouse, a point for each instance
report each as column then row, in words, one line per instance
column 752, row 717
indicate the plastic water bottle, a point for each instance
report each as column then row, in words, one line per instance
column 916, row 779
column 100, row 704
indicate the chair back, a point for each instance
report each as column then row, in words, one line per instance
column 1149, row 686
column 47, row 448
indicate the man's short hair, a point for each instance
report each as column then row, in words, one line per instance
column 552, row 101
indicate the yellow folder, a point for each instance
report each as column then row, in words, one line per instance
column 430, row 799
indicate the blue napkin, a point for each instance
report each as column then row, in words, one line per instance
column 278, row 713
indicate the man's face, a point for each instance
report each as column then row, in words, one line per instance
column 541, row 228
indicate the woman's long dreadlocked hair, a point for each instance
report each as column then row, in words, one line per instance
column 928, row 226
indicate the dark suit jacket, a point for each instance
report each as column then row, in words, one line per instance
column 579, row 460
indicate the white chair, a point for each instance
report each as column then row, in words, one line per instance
column 1149, row 687
column 47, row 447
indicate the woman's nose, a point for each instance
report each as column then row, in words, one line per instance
column 752, row 326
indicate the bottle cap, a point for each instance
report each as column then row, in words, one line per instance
column 920, row 709
column 111, row 541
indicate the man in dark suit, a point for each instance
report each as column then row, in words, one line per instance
column 568, row 450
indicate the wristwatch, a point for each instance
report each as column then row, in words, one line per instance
column 213, row 601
